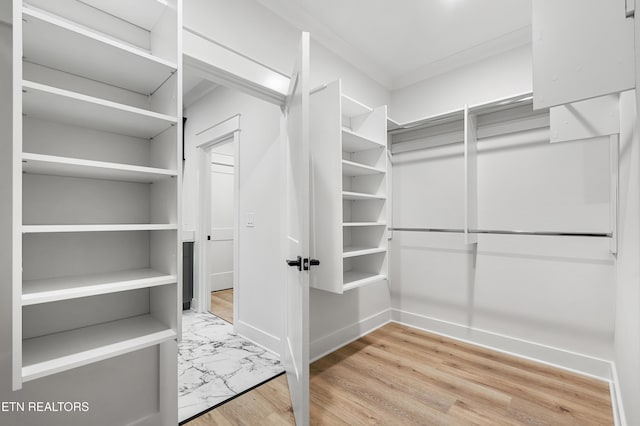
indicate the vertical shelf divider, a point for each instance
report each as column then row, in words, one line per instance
column 471, row 177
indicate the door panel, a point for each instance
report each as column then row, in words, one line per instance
column 295, row 131
column 220, row 262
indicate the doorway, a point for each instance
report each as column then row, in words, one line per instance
column 220, row 240
column 218, row 359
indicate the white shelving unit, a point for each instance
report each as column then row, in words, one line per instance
column 356, row 224
column 64, row 106
column 97, row 177
column 54, row 289
column 348, row 149
column 53, row 165
column 58, row 43
column 42, row 229
column 349, row 168
column 58, row 352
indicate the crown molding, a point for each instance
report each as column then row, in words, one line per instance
column 295, row 15
column 302, row 20
column 517, row 38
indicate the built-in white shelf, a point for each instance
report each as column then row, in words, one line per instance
column 63, row 106
column 354, row 142
column 353, row 108
column 53, row 353
column 348, row 144
column 145, row 15
column 361, row 251
column 63, row 288
column 356, row 224
column 76, row 167
column 348, row 195
column 57, row 43
column 40, row 229
column 351, row 168
column 353, row 279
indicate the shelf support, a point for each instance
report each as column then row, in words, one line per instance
column 614, row 158
column 471, row 177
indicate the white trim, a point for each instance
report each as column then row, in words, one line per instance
column 149, row 420
column 260, row 337
column 574, row 362
column 220, row 64
column 614, row 189
column 205, row 140
column 616, row 398
column 236, row 225
column 218, row 132
column 333, row 341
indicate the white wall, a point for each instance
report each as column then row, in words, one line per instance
column 493, row 78
column 249, row 28
column 522, row 294
column 627, row 331
column 108, row 386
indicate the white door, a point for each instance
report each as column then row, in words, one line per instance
column 295, row 132
column 220, row 250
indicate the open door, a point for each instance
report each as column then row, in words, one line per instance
column 295, row 153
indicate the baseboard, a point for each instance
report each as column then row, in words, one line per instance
column 153, row 419
column 260, row 337
column 556, row 357
column 616, row 398
column 331, row 342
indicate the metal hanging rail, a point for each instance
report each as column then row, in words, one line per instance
column 508, row 232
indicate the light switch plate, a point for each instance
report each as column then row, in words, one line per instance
column 251, row 220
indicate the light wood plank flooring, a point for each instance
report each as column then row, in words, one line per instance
column 222, row 304
column 398, row 375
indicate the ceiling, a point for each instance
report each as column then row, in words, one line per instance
column 400, row 42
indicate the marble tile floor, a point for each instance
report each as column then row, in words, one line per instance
column 215, row 364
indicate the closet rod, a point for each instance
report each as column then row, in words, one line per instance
column 508, row 232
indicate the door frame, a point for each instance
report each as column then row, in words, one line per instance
column 224, row 131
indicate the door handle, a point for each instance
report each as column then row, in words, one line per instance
column 306, row 262
column 297, row 263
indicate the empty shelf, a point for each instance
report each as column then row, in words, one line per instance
column 145, row 14
column 53, row 353
column 63, row 45
column 350, row 168
column 348, row 224
column 75, row 167
column 354, row 142
column 63, row 288
column 347, row 195
column 361, row 251
column 353, row 108
column 36, row 229
column 352, row 279
column 63, row 106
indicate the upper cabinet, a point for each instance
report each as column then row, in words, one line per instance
column 581, row 49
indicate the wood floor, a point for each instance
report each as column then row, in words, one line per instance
column 222, row 304
column 398, row 375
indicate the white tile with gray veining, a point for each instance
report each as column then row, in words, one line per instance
column 215, row 364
